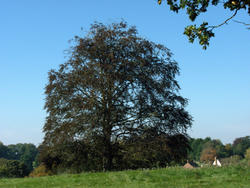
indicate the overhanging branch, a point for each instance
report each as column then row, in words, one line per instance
column 225, row 22
column 246, row 24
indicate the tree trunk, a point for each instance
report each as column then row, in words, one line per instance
column 107, row 132
column 107, row 155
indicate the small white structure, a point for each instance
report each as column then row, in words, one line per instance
column 216, row 162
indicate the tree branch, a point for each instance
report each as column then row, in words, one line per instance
column 225, row 22
column 246, row 24
column 88, row 95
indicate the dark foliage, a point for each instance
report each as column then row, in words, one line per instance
column 240, row 145
column 115, row 86
column 25, row 153
column 12, row 168
column 4, row 151
column 155, row 150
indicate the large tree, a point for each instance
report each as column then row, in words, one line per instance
column 115, row 84
column 194, row 8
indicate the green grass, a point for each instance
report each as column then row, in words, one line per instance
column 227, row 177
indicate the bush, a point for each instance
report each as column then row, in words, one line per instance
column 233, row 160
column 247, row 154
column 12, row 168
column 40, row 171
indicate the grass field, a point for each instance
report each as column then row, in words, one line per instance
column 226, row 177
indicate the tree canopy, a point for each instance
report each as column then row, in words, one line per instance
column 208, row 154
column 240, row 145
column 115, row 86
column 194, row 8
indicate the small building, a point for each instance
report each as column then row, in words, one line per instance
column 190, row 165
column 216, row 162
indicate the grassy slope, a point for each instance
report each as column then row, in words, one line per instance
column 227, row 177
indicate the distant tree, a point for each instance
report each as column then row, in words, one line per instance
column 240, row 145
column 194, row 8
column 23, row 153
column 196, row 148
column 28, row 156
column 4, row 152
column 197, row 145
column 228, row 150
column 15, row 151
column 208, row 154
column 218, row 146
column 247, row 154
column 26, row 153
column 12, row 168
column 114, row 85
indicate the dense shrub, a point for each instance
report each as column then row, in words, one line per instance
column 247, row 154
column 40, row 171
column 233, row 160
column 12, row 168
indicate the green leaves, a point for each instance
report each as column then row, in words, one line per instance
column 195, row 7
column 202, row 33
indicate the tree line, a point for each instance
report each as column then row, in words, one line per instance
column 17, row 160
column 205, row 150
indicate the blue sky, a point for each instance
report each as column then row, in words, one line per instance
column 35, row 33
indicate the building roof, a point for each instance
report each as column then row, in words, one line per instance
column 190, row 165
